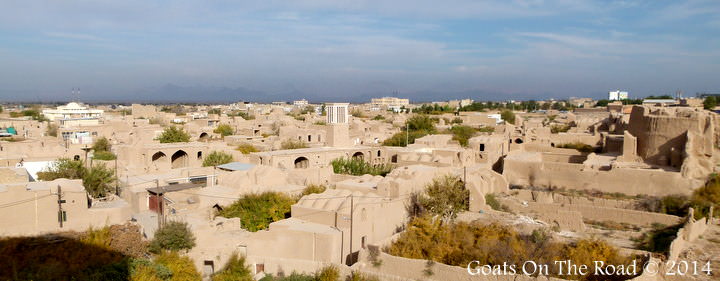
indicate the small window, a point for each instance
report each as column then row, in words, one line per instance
column 209, row 268
column 363, row 241
column 482, row 147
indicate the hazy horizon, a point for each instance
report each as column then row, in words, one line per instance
column 322, row 50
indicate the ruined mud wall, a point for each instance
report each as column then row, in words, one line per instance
column 676, row 137
column 573, row 176
column 686, row 235
column 399, row 268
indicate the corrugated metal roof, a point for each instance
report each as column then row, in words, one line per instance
column 236, row 166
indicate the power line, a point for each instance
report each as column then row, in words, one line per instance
column 20, row 202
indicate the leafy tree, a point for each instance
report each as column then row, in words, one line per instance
column 602, row 103
column 508, row 116
column 173, row 134
column 257, row 211
column 247, row 148
column 313, row 188
column 216, row 158
column 234, row 270
column 328, row 273
column 182, row 268
column 710, row 102
column 215, row 111
column 554, row 129
column 293, row 144
column 104, row 155
column 358, row 167
column 102, row 144
column 400, row 138
column 462, row 134
column 63, row 168
column 378, row 117
column 52, row 130
column 98, row 180
column 173, row 236
column 101, row 150
column 461, row 242
column 224, row 130
column 661, row 97
column 446, row 197
column 421, row 123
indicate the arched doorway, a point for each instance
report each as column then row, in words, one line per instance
column 358, row 155
column 204, row 136
column 179, row 159
column 158, row 156
column 301, row 163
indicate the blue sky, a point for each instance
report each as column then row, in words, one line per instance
column 425, row 50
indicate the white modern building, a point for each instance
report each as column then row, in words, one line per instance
column 389, row 102
column 74, row 114
column 300, row 103
column 618, row 95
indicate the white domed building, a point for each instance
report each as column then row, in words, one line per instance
column 74, row 114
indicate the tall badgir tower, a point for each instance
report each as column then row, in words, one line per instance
column 338, row 127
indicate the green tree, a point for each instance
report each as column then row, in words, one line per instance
column 257, row 211
column 98, row 180
column 173, row 134
column 358, row 167
column 172, row 236
column 313, row 188
column 246, row 148
column 216, row 158
column 224, row 130
column 63, row 168
column 602, row 103
column 462, row 134
column 446, row 197
column 400, row 138
column 102, row 144
column 508, row 116
column 52, row 130
column 234, row 270
column 421, row 123
column 180, row 267
column 293, row 144
column 710, row 102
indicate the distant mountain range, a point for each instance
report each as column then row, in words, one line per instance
column 202, row 94
column 172, row 93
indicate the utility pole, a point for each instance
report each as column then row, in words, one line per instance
column 117, row 180
column 60, row 201
column 158, row 197
column 407, row 133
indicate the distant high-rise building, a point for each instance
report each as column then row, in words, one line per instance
column 302, row 102
column 389, row 102
column 618, row 95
